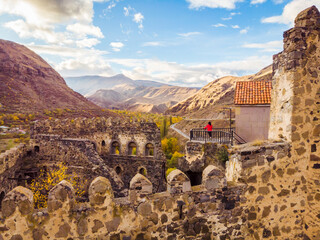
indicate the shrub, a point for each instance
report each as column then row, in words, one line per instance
column 222, row 154
column 172, row 163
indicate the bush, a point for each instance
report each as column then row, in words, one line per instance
column 170, row 146
column 222, row 154
column 172, row 163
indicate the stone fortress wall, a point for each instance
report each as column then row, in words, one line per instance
column 273, row 187
column 125, row 147
column 179, row 213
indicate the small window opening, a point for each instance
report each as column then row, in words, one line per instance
column 36, row 149
column 115, row 148
column 2, row 194
column 103, row 143
column 143, row 171
column 132, row 150
column 118, row 170
column 149, row 149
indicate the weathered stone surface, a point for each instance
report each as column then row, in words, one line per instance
column 19, row 197
column 97, row 225
column 145, row 209
column 113, row 225
column 178, row 182
column 64, row 231
column 61, row 195
column 213, row 177
column 100, row 192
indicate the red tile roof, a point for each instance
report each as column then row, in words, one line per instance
column 253, row 93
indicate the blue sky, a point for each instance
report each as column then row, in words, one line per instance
column 182, row 42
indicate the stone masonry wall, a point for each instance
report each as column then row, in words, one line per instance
column 282, row 193
column 200, row 214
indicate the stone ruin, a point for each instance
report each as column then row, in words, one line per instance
column 113, row 148
column 272, row 189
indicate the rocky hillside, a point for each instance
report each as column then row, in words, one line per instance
column 214, row 96
column 30, row 84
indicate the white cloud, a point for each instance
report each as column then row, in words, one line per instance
column 188, row 34
column 116, row 46
column 87, row 42
column 245, row 30
column 235, row 26
column 271, row 46
column 64, row 52
column 84, row 66
column 152, row 44
column 188, row 75
column 81, row 30
column 226, row 18
column 228, row 4
column 138, row 18
column 46, row 33
column 49, row 11
column 290, row 11
column 219, row 25
column 127, row 10
column 40, row 20
column 257, row 1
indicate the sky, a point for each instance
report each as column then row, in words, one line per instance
column 179, row 42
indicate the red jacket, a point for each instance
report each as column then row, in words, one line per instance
column 208, row 127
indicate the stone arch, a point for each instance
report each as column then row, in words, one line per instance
column 2, row 195
column 132, row 149
column 115, row 148
column 149, row 150
column 142, row 171
column 118, row 170
column 36, row 149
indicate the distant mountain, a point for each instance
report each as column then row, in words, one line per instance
column 90, row 84
column 30, row 84
column 214, row 96
column 141, row 98
column 121, row 92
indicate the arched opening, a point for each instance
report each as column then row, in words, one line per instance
column 36, row 149
column 132, row 149
column 94, row 146
column 115, row 148
column 2, row 194
column 118, row 170
column 149, row 150
column 195, row 178
column 103, row 143
column 142, row 171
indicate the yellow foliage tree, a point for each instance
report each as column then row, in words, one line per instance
column 47, row 180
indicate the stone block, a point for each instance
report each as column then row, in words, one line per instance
column 213, row 177
column 139, row 187
column 178, row 182
column 61, row 196
column 100, row 192
column 18, row 197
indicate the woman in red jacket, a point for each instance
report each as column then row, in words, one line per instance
column 209, row 129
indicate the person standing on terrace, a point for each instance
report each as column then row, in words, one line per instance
column 209, row 129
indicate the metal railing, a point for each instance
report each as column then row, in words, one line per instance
column 218, row 135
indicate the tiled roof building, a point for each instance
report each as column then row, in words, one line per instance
column 253, row 93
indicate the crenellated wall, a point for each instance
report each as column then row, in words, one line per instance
column 178, row 214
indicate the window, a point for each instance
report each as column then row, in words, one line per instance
column 132, row 149
column 36, row 149
column 103, row 143
column 1, row 197
column 115, row 148
column 149, row 150
column 118, row 170
column 143, row 171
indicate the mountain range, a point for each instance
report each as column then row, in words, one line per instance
column 121, row 92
